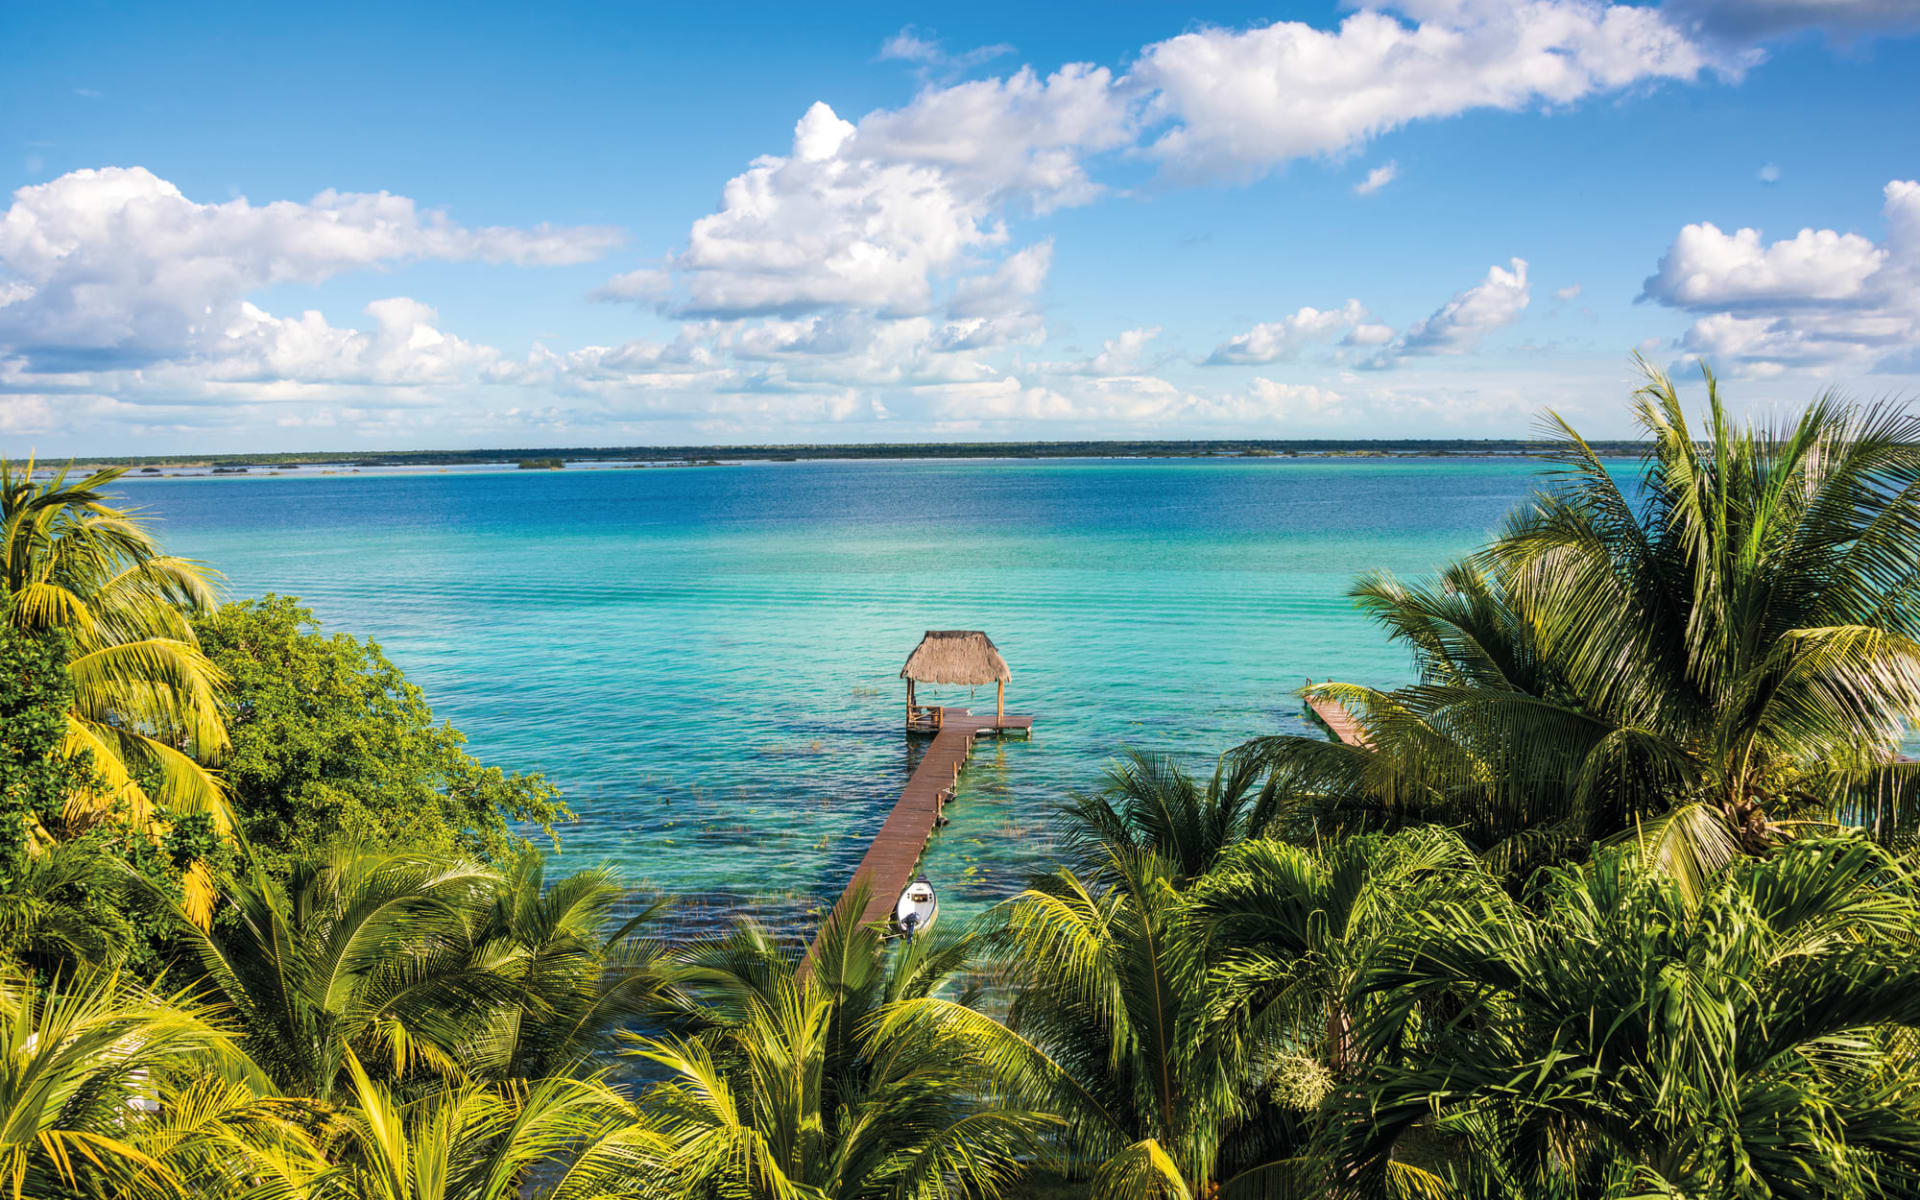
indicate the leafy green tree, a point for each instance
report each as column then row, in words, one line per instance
column 330, row 743
column 36, row 778
column 1617, row 1039
column 70, row 889
column 1726, row 647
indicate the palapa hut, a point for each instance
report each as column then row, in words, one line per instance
column 957, row 657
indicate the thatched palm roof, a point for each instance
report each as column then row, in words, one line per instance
column 965, row 657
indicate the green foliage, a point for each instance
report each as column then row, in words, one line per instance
column 79, row 1056
column 1696, row 661
column 420, row 966
column 472, row 1142
column 144, row 699
column 331, row 744
column 1616, row 1039
column 797, row 1084
column 1191, row 1031
column 74, row 903
column 35, row 778
column 70, row 892
column 1150, row 805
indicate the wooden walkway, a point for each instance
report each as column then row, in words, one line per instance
column 1336, row 717
column 895, row 852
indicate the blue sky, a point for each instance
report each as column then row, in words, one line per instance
column 235, row 228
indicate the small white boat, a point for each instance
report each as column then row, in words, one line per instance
column 917, row 908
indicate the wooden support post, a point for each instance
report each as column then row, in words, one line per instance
column 1000, row 700
column 909, row 701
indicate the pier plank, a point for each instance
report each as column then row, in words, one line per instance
column 1343, row 723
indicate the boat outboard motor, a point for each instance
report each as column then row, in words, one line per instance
column 907, row 924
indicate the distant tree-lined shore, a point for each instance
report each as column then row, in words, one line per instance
column 1223, row 448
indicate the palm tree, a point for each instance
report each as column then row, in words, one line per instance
column 793, row 1084
column 469, row 1141
column 578, row 978
column 226, row 1136
column 1118, row 1029
column 363, row 954
column 1288, row 930
column 1727, row 646
column 1617, row 1039
column 1151, row 805
column 67, row 908
column 145, row 698
column 83, row 1059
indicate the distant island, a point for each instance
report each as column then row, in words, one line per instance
column 553, row 457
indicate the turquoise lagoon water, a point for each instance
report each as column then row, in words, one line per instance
column 706, row 660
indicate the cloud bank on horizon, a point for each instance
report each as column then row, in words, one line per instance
column 890, row 277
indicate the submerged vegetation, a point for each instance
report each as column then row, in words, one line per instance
column 1617, row 900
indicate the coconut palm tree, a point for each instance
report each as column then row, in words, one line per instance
column 1618, row 1039
column 468, row 1141
column 1288, row 930
column 146, row 699
column 362, row 954
column 1150, row 804
column 227, row 1137
column 1117, row 1028
column 66, row 908
column 790, row 1083
column 1726, row 645
column 579, row 975
column 145, row 708
column 84, row 1059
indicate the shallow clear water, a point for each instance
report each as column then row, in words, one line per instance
column 706, row 660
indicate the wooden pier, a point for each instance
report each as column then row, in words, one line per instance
column 1334, row 716
column 895, row 852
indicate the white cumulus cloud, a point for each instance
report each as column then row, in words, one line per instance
column 1458, row 325
column 1275, row 340
column 118, row 265
column 872, row 216
column 1818, row 299
column 1242, row 101
column 404, row 348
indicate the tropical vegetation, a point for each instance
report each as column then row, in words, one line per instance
column 1617, row 899
column 1713, row 655
column 328, row 742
